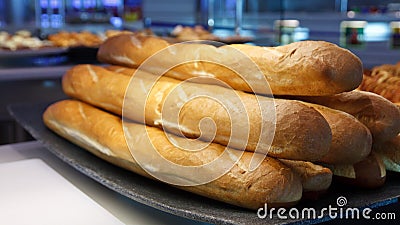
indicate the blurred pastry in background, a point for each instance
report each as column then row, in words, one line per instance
column 383, row 80
column 21, row 39
column 186, row 33
column 75, row 39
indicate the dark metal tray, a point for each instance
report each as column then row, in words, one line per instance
column 32, row 52
column 178, row 202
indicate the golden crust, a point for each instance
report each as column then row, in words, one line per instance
column 101, row 133
column 303, row 68
column 301, row 133
column 378, row 114
column 310, row 68
column 351, row 140
column 129, row 50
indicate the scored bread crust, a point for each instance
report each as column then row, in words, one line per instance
column 301, row 133
column 313, row 68
column 378, row 114
column 306, row 68
column 102, row 134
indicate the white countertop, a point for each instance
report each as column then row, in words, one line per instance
column 51, row 189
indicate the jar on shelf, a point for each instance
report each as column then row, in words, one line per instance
column 352, row 33
column 395, row 34
column 285, row 31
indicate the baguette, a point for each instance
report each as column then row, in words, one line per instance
column 309, row 68
column 390, row 153
column 370, row 173
column 351, row 140
column 301, row 133
column 102, row 134
column 378, row 114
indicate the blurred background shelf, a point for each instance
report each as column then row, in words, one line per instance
column 317, row 20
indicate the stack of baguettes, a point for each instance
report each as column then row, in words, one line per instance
column 324, row 128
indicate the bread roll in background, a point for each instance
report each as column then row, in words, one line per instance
column 301, row 132
column 370, row 173
column 378, row 114
column 315, row 179
column 306, row 68
column 102, row 134
column 351, row 140
column 389, row 151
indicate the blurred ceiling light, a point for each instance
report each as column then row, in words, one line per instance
column 351, row 14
